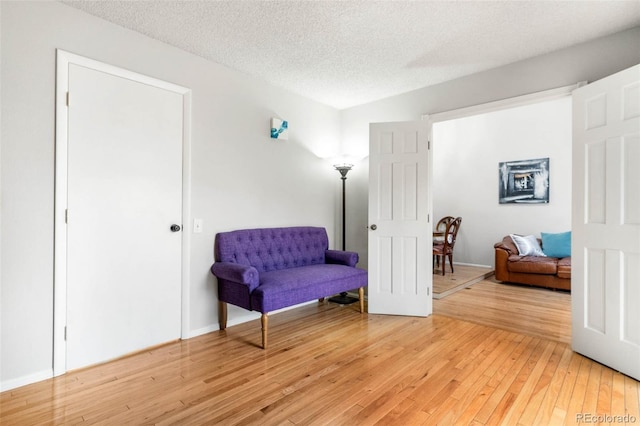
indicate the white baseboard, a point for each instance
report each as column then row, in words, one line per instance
column 201, row 331
column 473, row 264
column 249, row 316
column 25, row 380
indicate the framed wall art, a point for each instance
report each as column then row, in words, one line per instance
column 524, row 182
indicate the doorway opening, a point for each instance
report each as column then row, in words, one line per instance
column 468, row 146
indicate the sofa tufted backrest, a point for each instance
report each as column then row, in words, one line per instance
column 268, row 249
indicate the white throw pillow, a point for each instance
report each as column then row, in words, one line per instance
column 527, row 245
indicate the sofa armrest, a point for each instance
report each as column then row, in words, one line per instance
column 340, row 257
column 507, row 245
column 501, row 259
column 247, row 275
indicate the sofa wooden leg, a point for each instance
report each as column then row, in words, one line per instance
column 265, row 324
column 222, row 315
column 321, row 300
column 361, row 297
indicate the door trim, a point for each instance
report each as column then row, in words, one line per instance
column 488, row 107
column 507, row 103
column 63, row 60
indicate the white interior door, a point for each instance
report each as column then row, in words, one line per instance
column 124, row 192
column 400, row 260
column 605, row 281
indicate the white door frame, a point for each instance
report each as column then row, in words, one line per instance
column 546, row 95
column 63, row 60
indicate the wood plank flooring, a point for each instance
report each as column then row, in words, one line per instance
column 464, row 276
column 331, row 365
column 519, row 308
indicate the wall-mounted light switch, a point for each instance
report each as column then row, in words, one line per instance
column 197, row 226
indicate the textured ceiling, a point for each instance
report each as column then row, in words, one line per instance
column 345, row 53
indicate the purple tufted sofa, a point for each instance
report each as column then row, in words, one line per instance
column 271, row 268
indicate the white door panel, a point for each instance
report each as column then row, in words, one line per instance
column 606, row 221
column 399, row 259
column 124, row 193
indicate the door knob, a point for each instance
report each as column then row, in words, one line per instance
column 373, row 227
column 175, row 228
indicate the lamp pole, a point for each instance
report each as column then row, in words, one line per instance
column 344, row 169
column 343, row 299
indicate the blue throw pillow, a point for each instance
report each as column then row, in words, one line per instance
column 556, row 245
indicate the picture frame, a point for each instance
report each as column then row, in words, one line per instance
column 524, row 181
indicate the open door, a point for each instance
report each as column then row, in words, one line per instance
column 606, row 221
column 400, row 277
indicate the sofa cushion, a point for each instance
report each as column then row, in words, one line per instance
column 286, row 287
column 527, row 245
column 348, row 258
column 564, row 267
column 533, row 265
column 556, row 245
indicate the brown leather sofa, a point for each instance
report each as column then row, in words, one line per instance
column 533, row 270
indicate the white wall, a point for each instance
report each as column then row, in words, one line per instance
column 585, row 62
column 466, row 153
column 240, row 177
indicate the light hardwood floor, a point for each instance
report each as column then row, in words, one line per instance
column 464, row 276
column 522, row 309
column 331, row 365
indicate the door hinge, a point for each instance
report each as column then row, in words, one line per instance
column 428, row 142
column 428, row 294
column 67, row 100
column 66, row 216
column 65, row 332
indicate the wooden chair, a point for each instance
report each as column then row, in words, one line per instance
column 444, row 249
column 441, row 228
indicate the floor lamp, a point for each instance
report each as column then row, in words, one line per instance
column 343, row 299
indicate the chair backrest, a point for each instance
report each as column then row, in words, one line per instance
column 451, row 233
column 443, row 223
